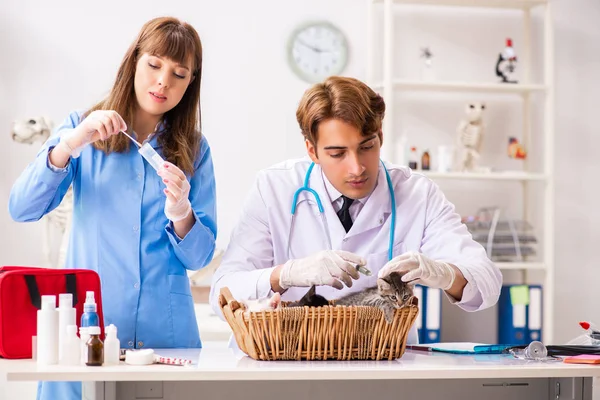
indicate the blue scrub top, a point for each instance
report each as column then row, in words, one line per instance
column 120, row 230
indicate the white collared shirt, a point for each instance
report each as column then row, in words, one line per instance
column 426, row 223
column 336, row 199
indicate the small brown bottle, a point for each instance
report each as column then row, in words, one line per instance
column 95, row 348
column 425, row 161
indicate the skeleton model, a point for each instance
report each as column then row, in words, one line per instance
column 469, row 138
column 30, row 131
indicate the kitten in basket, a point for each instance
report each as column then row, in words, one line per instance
column 389, row 294
column 266, row 303
column 310, row 299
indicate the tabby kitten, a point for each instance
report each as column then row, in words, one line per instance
column 390, row 294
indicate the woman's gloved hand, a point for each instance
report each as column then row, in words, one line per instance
column 177, row 206
column 421, row 270
column 326, row 267
column 99, row 125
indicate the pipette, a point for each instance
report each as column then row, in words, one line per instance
column 132, row 139
column 153, row 158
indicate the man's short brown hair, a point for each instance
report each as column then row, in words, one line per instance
column 346, row 99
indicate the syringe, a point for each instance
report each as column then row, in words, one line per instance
column 153, row 158
column 363, row 270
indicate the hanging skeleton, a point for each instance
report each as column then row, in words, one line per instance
column 38, row 130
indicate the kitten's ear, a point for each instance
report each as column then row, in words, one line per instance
column 307, row 296
column 383, row 285
column 275, row 301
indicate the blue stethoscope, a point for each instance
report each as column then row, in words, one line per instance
column 322, row 212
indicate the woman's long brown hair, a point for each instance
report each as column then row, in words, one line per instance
column 178, row 41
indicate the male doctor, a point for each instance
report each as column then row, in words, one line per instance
column 341, row 122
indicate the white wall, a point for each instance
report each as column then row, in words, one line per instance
column 61, row 55
column 577, row 164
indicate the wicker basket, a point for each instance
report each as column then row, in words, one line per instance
column 319, row 333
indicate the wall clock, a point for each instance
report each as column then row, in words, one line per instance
column 317, row 50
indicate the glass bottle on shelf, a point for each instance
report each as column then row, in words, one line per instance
column 412, row 158
column 425, row 161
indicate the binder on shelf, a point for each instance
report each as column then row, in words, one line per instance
column 512, row 314
column 520, row 314
column 432, row 315
column 534, row 313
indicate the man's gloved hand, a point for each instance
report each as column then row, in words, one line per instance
column 421, row 270
column 99, row 125
column 324, row 268
column 177, row 206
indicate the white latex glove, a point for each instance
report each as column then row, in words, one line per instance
column 326, row 267
column 421, row 270
column 177, row 206
column 99, row 125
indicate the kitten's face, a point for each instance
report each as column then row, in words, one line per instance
column 395, row 291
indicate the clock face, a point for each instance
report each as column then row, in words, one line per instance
column 317, row 51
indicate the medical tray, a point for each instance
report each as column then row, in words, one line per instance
column 318, row 333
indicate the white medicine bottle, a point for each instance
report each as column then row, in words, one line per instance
column 66, row 317
column 47, row 332
column 112, row 346
column 71, row 347
column 84, row 336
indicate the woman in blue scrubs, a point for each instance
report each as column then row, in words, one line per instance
column 139, row 228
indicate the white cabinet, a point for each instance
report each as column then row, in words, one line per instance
column 534, row 98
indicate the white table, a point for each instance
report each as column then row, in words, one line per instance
column 219, row 373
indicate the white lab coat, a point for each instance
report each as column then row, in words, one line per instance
column 425, row 222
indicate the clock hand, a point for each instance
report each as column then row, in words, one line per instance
column 315, row 49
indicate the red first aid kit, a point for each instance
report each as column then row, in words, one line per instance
column 21, row 291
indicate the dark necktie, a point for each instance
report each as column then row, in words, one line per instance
column 344, row 213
